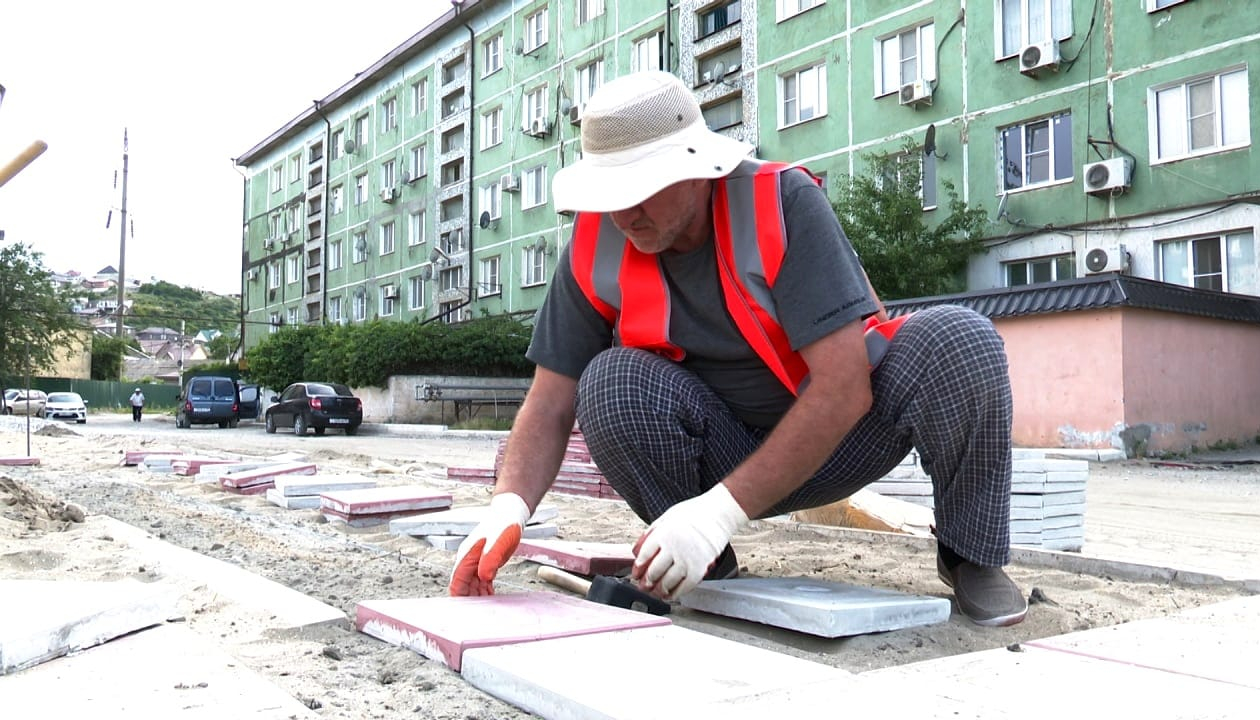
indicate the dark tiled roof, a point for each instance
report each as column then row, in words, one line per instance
column 1094, row 292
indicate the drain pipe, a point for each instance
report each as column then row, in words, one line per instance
column 472, row 110
column 323, row 224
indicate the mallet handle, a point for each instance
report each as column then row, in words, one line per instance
column 26, row 157
column 565, row 580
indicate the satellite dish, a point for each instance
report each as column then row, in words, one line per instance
column 484, row 220
column 929, row 140
column 433, row 254
column 718, row 72
column 1001, row 208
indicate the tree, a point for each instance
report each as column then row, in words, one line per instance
column 882, row 213
column 35, row 320
column 107, row 356
column 222, row 346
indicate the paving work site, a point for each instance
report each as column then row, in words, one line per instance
column 254, row 609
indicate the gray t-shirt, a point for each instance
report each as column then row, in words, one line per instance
column 820, row 288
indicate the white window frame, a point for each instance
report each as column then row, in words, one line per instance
column 389, row 174
column 335, row 255
column 492, row 55
column 388, row 238
column 890, row 59
column 336, row 200
column 334, row 309
column 646, row 54
column 338, row 139
column 273, row 226
column 586, row 80
column 273, row 275
column 588, row 10
column 1065, row 262
column 1157, row 5
column 491, row 199
column 358, row 306
column 291, row 316
column 1051, row 153
column 451, row 278
column 488, row 277
column 419, row 96
column 389, row 114
column 535, row 30
column 806, row 84
column 388, row 296
column 1059, row 27
column 535, row 106
column 710, row 11
column 419, row 161
column 360, row 189
column 533, row 187
column 1171, row 126
column 785, row 9
column 277, row 177
column 416, row 231
column 361, row 131
column 415, row 292
column 295, row 168
column 358, row 247
column 273, row 322
column 1237, row 253
column 291, row 270
column 491, row 128
column 533, row 266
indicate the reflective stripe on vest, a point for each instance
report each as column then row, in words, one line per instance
column 750, row 245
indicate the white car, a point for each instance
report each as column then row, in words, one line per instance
column 65, row 406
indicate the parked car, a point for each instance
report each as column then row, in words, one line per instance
column 23, row 402
column 316, row 405
column 208, row 399
column 66, row 406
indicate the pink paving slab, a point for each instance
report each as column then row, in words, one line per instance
column 265, row 473
column 135, row 457
column 442, row 628
column 20, row 460
column 193, row 465
column 584, row 558
column 390, row 499
column 258, row 489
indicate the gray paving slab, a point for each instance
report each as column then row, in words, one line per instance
column 817, row 607
column 458, row 521
column 291, row 485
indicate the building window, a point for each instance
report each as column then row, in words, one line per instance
column 491, row 200
column 904, row 58
column 291, row 220
column 273, row 322
column 727, row 113
column 452, row 242
column 338, row 139
column 589, row 78
column 419, row 96
column 415, row 293
column 360, row 131
column 415, row 228
column 450, row 312
column 335, row 257
column 1040, row 270
column 1036, row 153
column 536, row 30
column 489, row 283
column 273, row 274
column 1021, row 23
column 491, row 128
column 1153, row 5
column 919, row 168
column 789, row 8
column 588, row 10
column 358, row 306
column 291, row 316
column 273, row 227
column 803, row 95
column 388, row 175
column 295, row 168
column 419, row 162
column 1224, row 262
column 1201, row 116
column 533, row 265
column 535, row 106
column 716, row 18
column 360, row 189
column 389, row 115
column 292, row 272
column 277, row 177
column 492, row 55
column 714, row 67
column 387, row 238
column 647, row 53
column 534, row 187
column 389, row 294
column 334, row 309
column 360, row 247
column 336, row 200
column 451, row 279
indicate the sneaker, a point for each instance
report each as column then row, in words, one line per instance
column 984, row 594
column 725, row 567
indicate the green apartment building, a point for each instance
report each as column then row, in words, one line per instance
column 1101, row 136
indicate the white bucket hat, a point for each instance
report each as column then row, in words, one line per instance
column 640, row 134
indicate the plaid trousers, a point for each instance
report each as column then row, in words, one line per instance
column 661, row 436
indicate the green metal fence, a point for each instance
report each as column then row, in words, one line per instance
column 107, row 394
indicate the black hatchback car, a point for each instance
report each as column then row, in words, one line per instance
column 316, row 405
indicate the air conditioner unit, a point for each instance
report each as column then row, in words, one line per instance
column 269, row 243
column 538, row 127
column 1106, row 258
column 706, row 77
column 253, row 273
column 918, row 92
column 1040, row 56
column 391, row 294
column 575, row 114
column 387, row 194
column 509, row 183
column 1109, row 176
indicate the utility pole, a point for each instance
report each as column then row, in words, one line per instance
column 122, row 248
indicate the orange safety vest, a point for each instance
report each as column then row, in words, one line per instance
column 750, row 244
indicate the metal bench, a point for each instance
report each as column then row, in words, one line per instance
column 471, row 398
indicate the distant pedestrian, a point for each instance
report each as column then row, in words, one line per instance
column 137, row 405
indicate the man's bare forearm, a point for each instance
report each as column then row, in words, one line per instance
column 539, row 437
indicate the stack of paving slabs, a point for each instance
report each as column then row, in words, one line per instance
column 159, row 462
column 19, row 460
column 578, row 475
column 369, row 507
column 583, row 558
column 1047, row 497
column 131, row 458
column 259, row 480
column 192, row 464
column 214, row 473
column 301, row 492
column 448, row 528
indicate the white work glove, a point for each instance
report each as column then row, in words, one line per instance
column 489, row 546
column 677, row 550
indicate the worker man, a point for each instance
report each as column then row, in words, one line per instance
column 137, row 405
column 705, row 329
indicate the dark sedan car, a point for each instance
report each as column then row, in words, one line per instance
column 316, row 405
